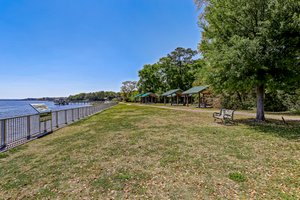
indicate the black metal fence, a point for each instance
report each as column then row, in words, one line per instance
column 18, row 130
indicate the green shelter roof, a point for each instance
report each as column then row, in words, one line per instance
column 171, row 92
column 147, row 94
column 195, row 90
column 138, row 95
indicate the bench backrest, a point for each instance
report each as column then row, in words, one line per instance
column 228, row 112
column 224, row 111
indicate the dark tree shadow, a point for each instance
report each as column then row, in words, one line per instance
column 288, row 129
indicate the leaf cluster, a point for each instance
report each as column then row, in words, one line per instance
column 176, row 70
column 250, row 42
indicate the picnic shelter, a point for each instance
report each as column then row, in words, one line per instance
column 197, row 90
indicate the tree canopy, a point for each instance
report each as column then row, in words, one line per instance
column 176, row 70
column 127, row 89
column 250, row 44
column 93, row 96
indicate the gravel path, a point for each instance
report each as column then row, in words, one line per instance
column 190, row 109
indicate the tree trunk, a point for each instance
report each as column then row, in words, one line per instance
column 240, row 97
column 260, row 93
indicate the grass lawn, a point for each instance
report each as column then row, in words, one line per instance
column 130, row 152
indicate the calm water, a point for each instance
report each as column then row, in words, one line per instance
column 17, row 108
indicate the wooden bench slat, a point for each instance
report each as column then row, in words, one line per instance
column 224, row 115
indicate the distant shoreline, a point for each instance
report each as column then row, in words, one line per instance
column 29, row 99
column 23, row 100
column 12, row 99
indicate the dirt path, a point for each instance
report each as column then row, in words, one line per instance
column 189, row 109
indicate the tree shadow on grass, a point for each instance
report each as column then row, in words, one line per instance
column 288, row 129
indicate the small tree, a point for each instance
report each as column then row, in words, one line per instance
column 251, row 44
column 127, row 88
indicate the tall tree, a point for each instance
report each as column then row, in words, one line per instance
column 151, row 78
column 176, row 70
column 127, row 88
column 251, row 44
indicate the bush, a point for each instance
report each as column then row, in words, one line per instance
column 243, row 101
column 274, row 101
column 292, row 101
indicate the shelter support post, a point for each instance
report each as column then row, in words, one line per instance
column 199, row 100
column 187, row 100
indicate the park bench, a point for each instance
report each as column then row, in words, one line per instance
column 225, row 115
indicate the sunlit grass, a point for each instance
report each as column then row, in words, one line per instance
column 138, row 152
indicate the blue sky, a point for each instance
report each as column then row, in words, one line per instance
column 62, row 47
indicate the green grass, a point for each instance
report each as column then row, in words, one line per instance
column 134, row 152
column 236, row 176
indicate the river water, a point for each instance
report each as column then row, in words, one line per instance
column 13, row 108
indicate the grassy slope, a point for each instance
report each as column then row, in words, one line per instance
column 131, row 151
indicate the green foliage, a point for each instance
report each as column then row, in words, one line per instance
column 3, row 155
column 237, row 100
column 201, row 76
column 151, row 79
column 93, row 96
column 292, row 100
column 236, row 176
column 275, row 102
column 251, row 43
column 176, row 70
column 133, row 94
column 127, row 90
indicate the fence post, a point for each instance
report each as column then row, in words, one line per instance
column 73, row 115
column 40, row 124
column 28, row 128
column 78, row 113
column 51, row 123
column 56, row 118
column 45, row 126
column 66, row 117
column 3, row 134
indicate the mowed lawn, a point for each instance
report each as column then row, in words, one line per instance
column 134, row 152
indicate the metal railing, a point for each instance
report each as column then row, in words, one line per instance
column 18, row 130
